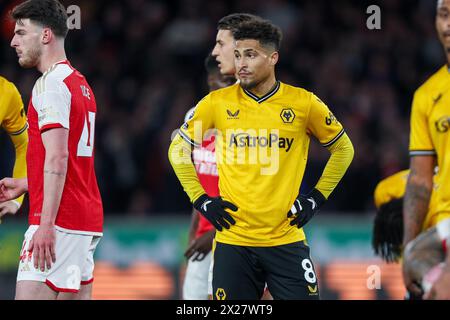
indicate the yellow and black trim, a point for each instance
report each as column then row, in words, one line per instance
column 413, row 153
column 332, row 141
column 20, row 131
column 264, row 97
column 188, row 139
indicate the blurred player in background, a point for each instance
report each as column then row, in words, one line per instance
column 13, row 120
column 261, row 240
column 426, row 262
column 387, row 236
column 66, row 212
column 224, row 49
column 201, row 232
column 429, row 143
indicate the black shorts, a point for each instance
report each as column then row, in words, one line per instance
column 241, row 273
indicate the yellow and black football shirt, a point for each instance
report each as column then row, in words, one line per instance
column 13, row 120
column 430, row 131
column 261, row 152
column 394, row 187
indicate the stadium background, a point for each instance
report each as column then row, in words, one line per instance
column 144, row 60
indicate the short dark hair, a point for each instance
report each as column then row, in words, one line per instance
column 232, row 21
column 48, row 13
column 264, row 31
column 387, row 235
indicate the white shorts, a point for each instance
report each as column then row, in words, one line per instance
column 74, row 265
column 210, row 275
column 195, row 286
column 443, row 229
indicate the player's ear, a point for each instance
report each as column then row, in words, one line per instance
column 274, row 58
column 47, row 35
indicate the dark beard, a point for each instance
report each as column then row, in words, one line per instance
column 250, row 85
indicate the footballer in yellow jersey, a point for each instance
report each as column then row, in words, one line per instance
column 261, row 152
column 390, row 188
column 388, row 226
column 430, row 130
column 429, row 142
column 13, row 121
column 263, row 133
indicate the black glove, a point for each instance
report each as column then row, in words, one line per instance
column 214, row 210
column 305, row 206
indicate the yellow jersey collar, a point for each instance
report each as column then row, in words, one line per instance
column 264, row 97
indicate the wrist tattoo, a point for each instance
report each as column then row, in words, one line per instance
column 417, row 198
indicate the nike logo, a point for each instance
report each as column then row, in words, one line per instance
column 314, row 204
column 205, row 205
column 294, row 209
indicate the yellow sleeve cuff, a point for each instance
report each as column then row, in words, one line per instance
column 342, row 153
column 181, row 160
column 20, row 141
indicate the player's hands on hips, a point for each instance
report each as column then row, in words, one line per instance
column 304, row 207
column 43, row 247
column 201, row 246
column 11, row 188
column 213, row 209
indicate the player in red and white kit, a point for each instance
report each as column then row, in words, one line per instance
column 66, row 212
column 202, row 232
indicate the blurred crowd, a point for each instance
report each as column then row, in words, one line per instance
column 144, row 61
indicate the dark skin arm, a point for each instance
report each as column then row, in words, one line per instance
column 201, row 246
column 194, row 225
column 417, row 195
column 415, row 205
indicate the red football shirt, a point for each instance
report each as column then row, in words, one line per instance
column 204, row 159
column 62, row 98
column 205, row 165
